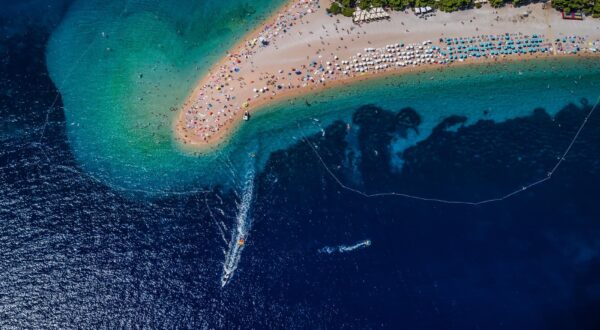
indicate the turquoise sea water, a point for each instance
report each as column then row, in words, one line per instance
column 122, row 67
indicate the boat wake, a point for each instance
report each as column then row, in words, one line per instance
column 345, row 248
column 239, row 234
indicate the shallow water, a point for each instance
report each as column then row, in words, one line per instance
column 122, row 66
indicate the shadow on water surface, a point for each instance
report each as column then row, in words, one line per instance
column 455, row 162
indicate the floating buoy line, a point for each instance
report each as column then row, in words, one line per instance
column 523, row 188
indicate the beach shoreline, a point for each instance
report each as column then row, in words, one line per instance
column 297, row 95
column 189, row 142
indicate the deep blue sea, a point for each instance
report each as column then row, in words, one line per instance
column 76, row 253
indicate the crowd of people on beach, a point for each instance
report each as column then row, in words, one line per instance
column 215, row 104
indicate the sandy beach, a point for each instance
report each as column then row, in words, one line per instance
column 301, row 49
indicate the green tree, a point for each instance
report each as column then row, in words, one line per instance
column 397, row 4
column 579, row 5
column 334, row 8
column 454, row 5
column 364, row 4
column 496, row 3
column 347, row 11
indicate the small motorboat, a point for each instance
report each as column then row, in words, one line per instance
column 225, row 278
column 246, row 116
